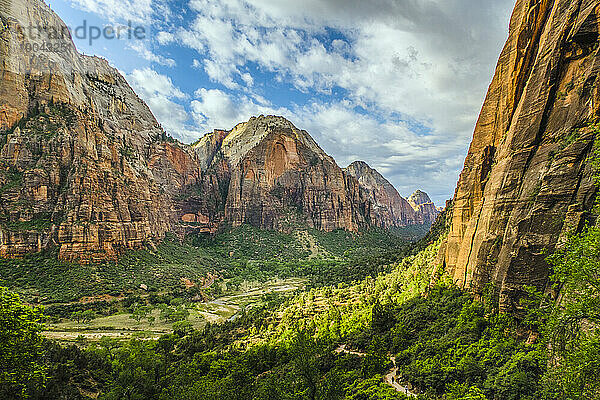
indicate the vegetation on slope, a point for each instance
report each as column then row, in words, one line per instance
column 446, row 343
column 21, row 368
column 241, row 254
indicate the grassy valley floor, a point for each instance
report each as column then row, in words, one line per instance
column 204, row 279
column 218, row 310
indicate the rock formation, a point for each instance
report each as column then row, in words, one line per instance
column 84, row 164
column 386, row 208
column 527, row 179
column 85, row 168
column 423, row 205
column 275, row 176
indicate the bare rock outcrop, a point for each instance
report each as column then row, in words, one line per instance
column 423, row 205
column 86, row 169
column 84, row 164
column 384, row 207
column 527, row 178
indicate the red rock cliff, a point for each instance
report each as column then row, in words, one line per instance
column 86, row 169
column 527, row 179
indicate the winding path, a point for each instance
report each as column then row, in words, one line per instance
column 391, row 378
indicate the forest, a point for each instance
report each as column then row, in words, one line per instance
column 340, row 341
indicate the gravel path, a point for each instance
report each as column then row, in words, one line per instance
column 391, row 378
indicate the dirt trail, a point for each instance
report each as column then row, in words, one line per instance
column 391, row 378
column 305, row 238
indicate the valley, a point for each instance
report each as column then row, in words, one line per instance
column 123, row 327
column 247, row 262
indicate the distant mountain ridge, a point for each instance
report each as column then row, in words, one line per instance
column 277, row 177
column 423, row 205
column 388, row 209
column 85, row 167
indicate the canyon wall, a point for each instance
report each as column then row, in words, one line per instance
column 86, row 169
column 84, row 165
column 527, row 178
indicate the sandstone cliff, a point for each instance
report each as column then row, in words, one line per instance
column 423, row 206
column 85, row 168
column 271, row 175
column 384, row 206
column 276, row 176
column 527, row 178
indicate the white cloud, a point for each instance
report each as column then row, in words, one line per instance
column 148, row 82
column 140, row 48
column 402, row 66
column 222, row 73
column 161, row 95
column 247, row 78
column 391, row 147
column 121, row 10
column 213, row 109
column 413, row 73
column 164, row 38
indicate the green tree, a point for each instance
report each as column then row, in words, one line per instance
column 76, row 316
column 20, row 347
column 140, row 312
column 573, row 330
column 462, row 391
column 137, row 372
column 87, row 316
column 304, row 351
column 376, row 360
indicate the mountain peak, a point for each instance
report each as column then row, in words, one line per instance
column 365, row 174
column 418, row 198
column 390, row 209
column 130, row 185
column 245, row 136
column 359, row 164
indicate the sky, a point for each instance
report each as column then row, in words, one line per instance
column 396, row 83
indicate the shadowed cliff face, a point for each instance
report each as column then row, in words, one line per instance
column 527, row 179
column 387, row 208
column 86, row 169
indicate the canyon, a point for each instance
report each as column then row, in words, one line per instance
column 87, row 170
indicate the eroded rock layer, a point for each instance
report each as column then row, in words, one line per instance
column 527, row 179
column 385, row 207
column 423, row 206
column 86, row 169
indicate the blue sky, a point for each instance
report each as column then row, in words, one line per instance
column 396, row 83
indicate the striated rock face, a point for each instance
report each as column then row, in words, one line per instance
column 275, row 176
column 284, row 178
column 527, row 178
column 272, row 175
column 86, row 169
column 385, row 207
column 83, row 166
column 423, row 205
